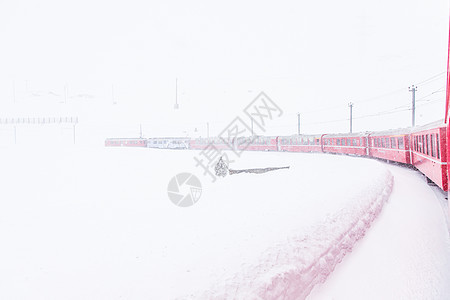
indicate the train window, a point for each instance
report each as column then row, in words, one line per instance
column 383, row 143
column 427, row 146
column 433, row 148
column 338, row 142
column 393, row 145
column 401, row 145
column 423, row 145
column 419, row 144
column 437, row 147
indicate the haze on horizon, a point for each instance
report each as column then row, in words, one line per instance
column 118, row 62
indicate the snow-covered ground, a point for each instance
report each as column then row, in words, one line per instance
column 406, row 253
column 97, row 223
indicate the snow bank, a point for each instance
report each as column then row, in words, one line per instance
column 292, row 269
column 97, row 223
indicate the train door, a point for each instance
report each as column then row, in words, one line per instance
column 367, row 141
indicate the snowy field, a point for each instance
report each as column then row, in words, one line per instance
column 97, row 223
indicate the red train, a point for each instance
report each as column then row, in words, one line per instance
column 423, row 147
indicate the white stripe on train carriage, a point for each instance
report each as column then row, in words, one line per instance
column 351, row 147
column 433, row 160
column 392, row 149
column 299, row 145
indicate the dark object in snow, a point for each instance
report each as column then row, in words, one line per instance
column 221, row 168
column 256, row 171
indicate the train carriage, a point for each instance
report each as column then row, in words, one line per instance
column 352, row 144
column 213, row 143
column 168, row 143
column 258, row 143
column 390, row 145
column 428, row 153
column 126, row 142
column 300, row 143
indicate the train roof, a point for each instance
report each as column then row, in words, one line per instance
column 138, row 138
column 170, row 138
column 435, row 124
column 356, row 134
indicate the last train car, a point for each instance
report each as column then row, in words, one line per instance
column 126, row 142
column 428, row 153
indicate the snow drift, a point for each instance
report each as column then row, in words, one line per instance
column 292, row 269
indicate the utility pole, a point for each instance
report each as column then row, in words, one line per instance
column 298, row 120
column 140, row 130
column 351, row 116
column 176, row 94
column 413, row 89
column 74, row 134
column 112, row 94
column 252, row 127
column 65, row 93
column 14, row 91
column 207, row 130
column 75, row 124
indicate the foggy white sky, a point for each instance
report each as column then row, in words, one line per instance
column 306, row 56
